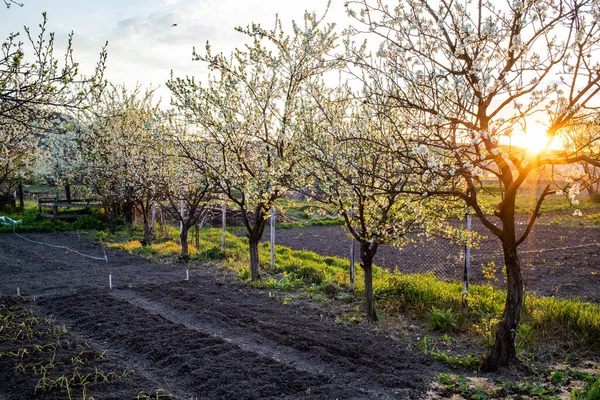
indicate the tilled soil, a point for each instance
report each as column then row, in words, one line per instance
column 556, row 260
column 208, row 338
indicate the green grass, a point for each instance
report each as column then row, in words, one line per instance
column 304, row 210
column 526, row 202
column 589, row 219
column 32, row 222
column 569, row 324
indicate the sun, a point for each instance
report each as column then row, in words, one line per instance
column 532, row 139
column 536, row 139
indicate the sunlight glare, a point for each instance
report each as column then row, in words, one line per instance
column 536, row 139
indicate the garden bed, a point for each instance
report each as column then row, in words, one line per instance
column 209, row 337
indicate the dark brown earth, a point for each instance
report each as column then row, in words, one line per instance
column 557, row 260
column 212, row 337
column 206, row 338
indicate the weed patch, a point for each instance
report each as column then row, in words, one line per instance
column 41, row 349
column 552, row 385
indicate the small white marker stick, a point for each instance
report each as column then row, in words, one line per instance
column 110, row 281
column 18, row 291
column 187, row 274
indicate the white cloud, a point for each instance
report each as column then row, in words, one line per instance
column 149, row 38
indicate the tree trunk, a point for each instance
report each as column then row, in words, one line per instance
column 254, row 261
column 366, row 257
column 111, row 213
column 128, row 212
column 255, row 231
column 147, row 241
column 183, row 237
column 148, row 234
column 68, row 192
column 20, row 195
column 504, row 351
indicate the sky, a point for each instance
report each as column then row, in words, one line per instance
column 149, row 38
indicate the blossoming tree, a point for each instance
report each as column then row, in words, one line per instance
column 120, row 153
column 186, row 189
column 470, row 76
column 249, row 110
column 350, row 162
column 581, row 138
column 58, row 161
column 33, row 90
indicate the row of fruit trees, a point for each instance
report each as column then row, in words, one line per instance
column 395, row 122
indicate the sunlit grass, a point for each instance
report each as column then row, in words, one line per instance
column 526, row 202
column 575, row 323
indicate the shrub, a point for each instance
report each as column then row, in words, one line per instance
column 89, row 223
column 441, row 320
column 331, row 290
column 212, row 253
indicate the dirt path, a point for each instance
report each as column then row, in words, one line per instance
column 206, row 338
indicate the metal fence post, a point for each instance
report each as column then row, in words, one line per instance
column 465, row 305
column 223, row 222
column 272, row 238
column 352, row 263
column 352, row 246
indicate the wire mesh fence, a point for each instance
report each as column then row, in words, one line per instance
column 555, row 260
column 566, row 264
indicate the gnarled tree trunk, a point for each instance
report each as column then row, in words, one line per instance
column 254, row 261
column 183, row 236
column 145, row 208
column 255, row 232
column 504, row 351
column 367, row 252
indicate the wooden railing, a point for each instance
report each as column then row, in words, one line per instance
column 57, row 207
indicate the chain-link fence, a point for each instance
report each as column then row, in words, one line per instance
column 555, row 260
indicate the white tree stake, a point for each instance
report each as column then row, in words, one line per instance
column 467, row 258
column 110, row 281
column 272, row 237
column 153, row 217
column 351, row 263
column 187, row 274
column 351, row 255
column 223, row 222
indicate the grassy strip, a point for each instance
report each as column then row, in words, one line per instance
column 572, row 323
column 589, row 219
column 527, row 201
column 321, row 221
column 32, row 222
